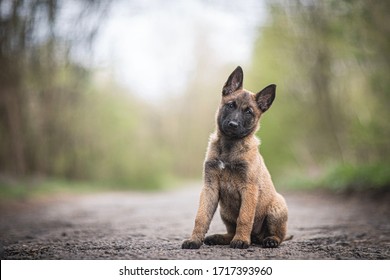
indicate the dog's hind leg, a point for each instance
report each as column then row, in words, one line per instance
column 275, row 224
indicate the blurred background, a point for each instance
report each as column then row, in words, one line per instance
column 118, row 94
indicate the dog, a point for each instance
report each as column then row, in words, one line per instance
column 235, row 175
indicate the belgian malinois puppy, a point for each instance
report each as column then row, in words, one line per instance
column 236, row 177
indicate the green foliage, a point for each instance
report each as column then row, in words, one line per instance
column 331, row 66
column 35, row 188
column 57, row 119
column 104, row 136
column 358, row 178
column 32, row 188
column 329, row 60
column 345, row 178
column 80, row 128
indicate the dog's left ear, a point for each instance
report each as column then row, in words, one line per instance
column 234, row 82
column 265, row 97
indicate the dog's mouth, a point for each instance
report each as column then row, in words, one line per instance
column 234, row 130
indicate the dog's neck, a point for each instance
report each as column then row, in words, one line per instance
column 242, row 145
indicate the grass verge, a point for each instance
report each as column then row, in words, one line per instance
column 346, row 178
column 18, row 189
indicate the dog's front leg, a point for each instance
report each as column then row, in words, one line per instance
column 242, row 238
column 207, row 205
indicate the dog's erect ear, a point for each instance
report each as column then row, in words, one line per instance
column 234, row 82
column 265, row 97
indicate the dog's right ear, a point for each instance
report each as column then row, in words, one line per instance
column 265, row 97
column 234, row 82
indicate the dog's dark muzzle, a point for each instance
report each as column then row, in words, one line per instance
column 232, row 125
column 233, row 129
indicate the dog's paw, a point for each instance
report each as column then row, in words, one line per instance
column 239, row 244
column 218, row 239
column 269, row 242
column 211, row 240
column 191, row 244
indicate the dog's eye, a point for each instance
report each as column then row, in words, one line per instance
column 249, row 111
column 231, row 105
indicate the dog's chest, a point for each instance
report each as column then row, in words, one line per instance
column 231, row 175
column 232, row 168
column 234, row 171
column 221, row 165
column 230, row 192
column 229, row 171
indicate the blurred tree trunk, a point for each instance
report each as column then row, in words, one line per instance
column 321, row 76
column 17, row 18
column 33, row 47
column 13, row 126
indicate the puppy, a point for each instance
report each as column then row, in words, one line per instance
column 236, row 177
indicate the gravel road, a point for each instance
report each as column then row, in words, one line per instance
column 153, row 225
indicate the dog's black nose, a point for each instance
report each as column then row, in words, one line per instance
column 233, row 124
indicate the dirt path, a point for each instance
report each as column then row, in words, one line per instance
column 152, row 226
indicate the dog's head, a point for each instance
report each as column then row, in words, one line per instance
column 240, row 109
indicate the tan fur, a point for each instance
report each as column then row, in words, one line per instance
column 236, row 177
